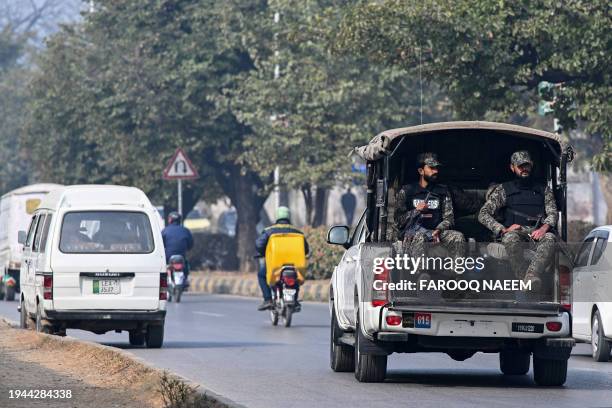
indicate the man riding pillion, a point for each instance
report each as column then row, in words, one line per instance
column 177, row 240
column 282, row 226
column 529, row 213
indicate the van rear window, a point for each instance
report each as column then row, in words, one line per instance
column 118, row 232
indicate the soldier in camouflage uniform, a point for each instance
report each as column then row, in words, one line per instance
column 528, row 213
column 424, row 212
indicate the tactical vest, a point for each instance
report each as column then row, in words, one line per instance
column 431, row 217
column 524, row 205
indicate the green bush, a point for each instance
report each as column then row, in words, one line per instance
column 323, row 256
column 216, row 252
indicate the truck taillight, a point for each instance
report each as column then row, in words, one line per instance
column 163, row 286
column 393, row 320
column 565, row 287
column 48, row 286
column 380, row 294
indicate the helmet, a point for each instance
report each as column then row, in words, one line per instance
column 283, row 213
column 174, row 218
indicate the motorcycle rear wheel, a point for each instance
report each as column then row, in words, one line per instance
column 274, row 317
column 287, row 317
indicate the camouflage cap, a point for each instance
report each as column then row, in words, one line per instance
column 428, row 158
column 520, row 157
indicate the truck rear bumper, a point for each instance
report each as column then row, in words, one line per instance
column 441, row 324
column 558, row 348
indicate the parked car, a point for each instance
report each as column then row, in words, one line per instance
column 16, row 209
column 93, row 259
column 369, row 322
column 592, row 294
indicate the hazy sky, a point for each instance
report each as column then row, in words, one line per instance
column 41, row 17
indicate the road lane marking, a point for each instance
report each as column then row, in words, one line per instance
column 208, row 314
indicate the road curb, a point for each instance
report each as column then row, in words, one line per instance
column 246, row 285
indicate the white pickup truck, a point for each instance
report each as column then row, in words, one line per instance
column 369, row 323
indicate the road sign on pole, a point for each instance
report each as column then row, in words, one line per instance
column 180, row 168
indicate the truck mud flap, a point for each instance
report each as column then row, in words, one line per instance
column 367, row 346
column 554, row 348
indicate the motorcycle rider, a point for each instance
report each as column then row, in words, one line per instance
column 177, row 240
column 282, row 225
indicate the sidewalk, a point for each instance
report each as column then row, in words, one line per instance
column 234, row 283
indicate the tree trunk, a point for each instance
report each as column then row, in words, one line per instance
column 242, row 189
column 307, row 193
column 320, row 208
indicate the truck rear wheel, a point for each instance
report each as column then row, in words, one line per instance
column 549, row 372
column 368, row 367
column 514, row 362
column 155, row 336
column 341, row 356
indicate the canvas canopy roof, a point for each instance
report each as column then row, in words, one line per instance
column 382, row 144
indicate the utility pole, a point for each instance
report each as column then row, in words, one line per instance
column 277, row 192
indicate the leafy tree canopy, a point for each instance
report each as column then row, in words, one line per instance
column 490, row 56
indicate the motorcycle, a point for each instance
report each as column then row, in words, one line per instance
column 177, row 281
column 285, row 265
column 284, row 297
column 8, row 286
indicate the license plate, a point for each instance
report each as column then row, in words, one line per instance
column 422, row 320
column 289, row 294
column 528, row 327
column 106, row 286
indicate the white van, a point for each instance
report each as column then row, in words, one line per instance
column 592, row 295
column 16, row 209
column 93, row 259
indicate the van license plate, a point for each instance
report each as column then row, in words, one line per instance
column 106, row 286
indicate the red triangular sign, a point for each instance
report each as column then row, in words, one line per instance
column 180, row 167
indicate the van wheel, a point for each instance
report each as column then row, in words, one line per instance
column 514, row 362
column 368, row 368
column 549, row 372
column 40, row 325
column 341, row 356
column 599, row 345
column 155, row 336
column 24, row 319
column 10, row 293
column 137, row 338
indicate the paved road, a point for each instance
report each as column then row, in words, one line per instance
column 224, row 343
